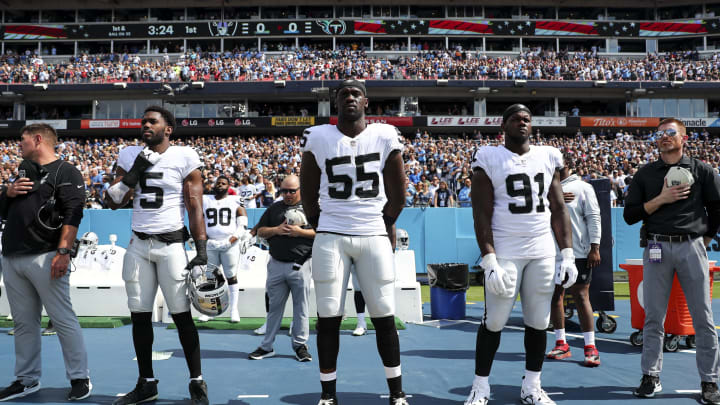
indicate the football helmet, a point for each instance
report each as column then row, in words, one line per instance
column 295, row 217
column 89, row 240
column 402, row 239
column 210, row 296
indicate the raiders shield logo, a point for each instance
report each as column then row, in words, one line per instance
column 222, row 28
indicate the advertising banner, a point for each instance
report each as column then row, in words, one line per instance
column 293, row 121
column 619, row 122
column 57, row 124
column 397, row 121
column 110, row 124
column 453, row 121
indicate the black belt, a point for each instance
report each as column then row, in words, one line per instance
column 671, row 238
column 179, row 236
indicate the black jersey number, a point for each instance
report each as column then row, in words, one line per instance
column 215, row 216
column 526, row 192
column 158, row 191
column 360, row 174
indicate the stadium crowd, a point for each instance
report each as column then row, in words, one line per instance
column 308, row 63
column 431, row 161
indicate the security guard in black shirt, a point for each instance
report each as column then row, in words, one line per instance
column 291, row 238
column 43, row 207
column 681, row 214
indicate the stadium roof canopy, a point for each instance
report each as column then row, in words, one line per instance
column 72, row 4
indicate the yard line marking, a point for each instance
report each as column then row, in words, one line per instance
column 687, row 391
column 388, row 396
column 253, row 396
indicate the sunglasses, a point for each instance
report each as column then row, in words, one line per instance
column 669, row 132
column 289, row 190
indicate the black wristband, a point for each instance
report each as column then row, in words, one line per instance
column 201, row 247
column 389, row 221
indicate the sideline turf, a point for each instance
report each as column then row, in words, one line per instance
column 622, row 292
column 254, row 323
column 85, row 322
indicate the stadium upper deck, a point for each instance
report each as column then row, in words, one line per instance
column 385, row 31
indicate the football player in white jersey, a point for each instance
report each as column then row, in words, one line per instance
column 163, row 180
column 247, row 193
column 352, row 187
column 517, row 205
column 226, row 226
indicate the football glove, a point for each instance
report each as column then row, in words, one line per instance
column 497, row 280
column 566, row 269
column 145, row 159
column 198, row 264
column 214, row 244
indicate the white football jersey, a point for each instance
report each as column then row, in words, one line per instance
column 220, row 216
column 247, row 195
column 158, row 204
column 352, row 190
column 521, row 216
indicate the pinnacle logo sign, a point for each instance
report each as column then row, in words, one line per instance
column 332, row 27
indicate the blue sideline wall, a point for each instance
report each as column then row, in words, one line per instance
column 437, row 235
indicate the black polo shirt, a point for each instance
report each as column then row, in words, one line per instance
column 686, row 216
column 285, row 248
column 22, row 234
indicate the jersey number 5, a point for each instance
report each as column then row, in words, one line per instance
column 526, row 192
column 361, row 175
column 158, row 191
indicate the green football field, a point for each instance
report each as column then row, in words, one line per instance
column 622, row 292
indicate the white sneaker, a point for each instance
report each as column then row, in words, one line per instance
column 359, row 331
column 479, row 395
column 203, row 318
column 261, row 330
column 534, row 394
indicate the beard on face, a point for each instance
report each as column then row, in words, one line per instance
column 154, row 139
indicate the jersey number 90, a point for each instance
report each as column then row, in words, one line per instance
column 360, row 175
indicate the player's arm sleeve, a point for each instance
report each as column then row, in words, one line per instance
column 71, row 194
column 557, row 159
column 192, row 162
column 480, row 161
column 394, row 141
column 634, row 210
column 307, row 141
column 592, row 215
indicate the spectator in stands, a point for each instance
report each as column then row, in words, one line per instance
column 443, row 196
column 422, row 196
column 464, row 194
column 410, row 192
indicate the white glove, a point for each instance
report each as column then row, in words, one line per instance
column 497, row 280
column 566, row 268
column 117, row 192
column 245, row 237
column 197, row 271
column 213, row 244
column 224, row 244
column 151, row 156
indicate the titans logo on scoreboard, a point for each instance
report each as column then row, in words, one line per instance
column 222, row 28
column 332, row 27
